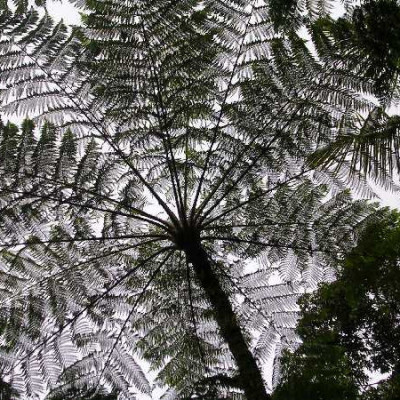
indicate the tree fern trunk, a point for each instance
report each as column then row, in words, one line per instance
column 249, row 373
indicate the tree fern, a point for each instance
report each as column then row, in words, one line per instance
column 371, row 149
column 165, row 209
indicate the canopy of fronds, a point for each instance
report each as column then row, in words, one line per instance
column 156, row 125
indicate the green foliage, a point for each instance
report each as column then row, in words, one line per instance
column 364, row 42
column 8, row 144
column 282, row 11
column 291, row 15
column 364, row 147
column 387, row 390
column 367, row 41
column 83, row 394
column 165, row 130
column 7, row 392
column 351, row 325
column 316, row 371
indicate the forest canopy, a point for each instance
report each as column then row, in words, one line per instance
column 351, row 326
column 188, row 200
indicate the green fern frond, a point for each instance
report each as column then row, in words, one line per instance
column 168, row 207
column 371, row 150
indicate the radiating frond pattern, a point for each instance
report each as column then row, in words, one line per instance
column 176, row 179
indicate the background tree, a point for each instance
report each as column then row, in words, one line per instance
column 167, row 208
column 7, row 392
column 367, row 42
column 351, row 326
column 364, row 42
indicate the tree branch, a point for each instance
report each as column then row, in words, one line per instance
column 201, row 353
column 219, row 119
column 80, row 205
column 166, row 143
column 104, row 134
column 74, row 187
column 78, row 265
column 254, row 198
column 92, row 303
column 235, row 162
column 38, row 242
column 127, row 319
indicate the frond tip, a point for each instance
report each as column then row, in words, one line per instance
column 372, row 150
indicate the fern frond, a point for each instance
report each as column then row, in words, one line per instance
column 371, row 150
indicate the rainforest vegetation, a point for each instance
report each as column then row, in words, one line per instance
column 189, row 200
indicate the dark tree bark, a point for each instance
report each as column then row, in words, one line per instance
column 249, row 374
